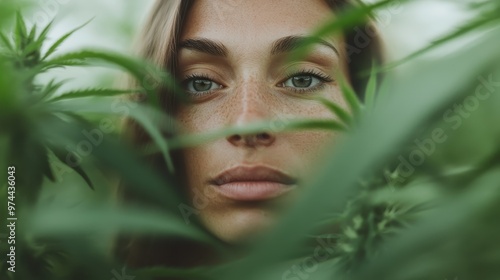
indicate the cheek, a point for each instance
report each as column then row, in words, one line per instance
column 190, row 119
column 311, row 146
column 196, row 160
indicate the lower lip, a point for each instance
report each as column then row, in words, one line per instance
column 253, row 190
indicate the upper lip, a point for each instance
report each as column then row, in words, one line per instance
column 252, row 174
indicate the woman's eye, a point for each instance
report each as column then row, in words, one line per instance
column 302, row 82
column 201, row 85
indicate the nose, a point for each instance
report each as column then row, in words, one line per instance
column 252, row 140
column 252, row 103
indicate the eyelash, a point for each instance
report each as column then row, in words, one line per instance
column 318, row 75
column 321, row 76
column 192, row 77
column 197, row 76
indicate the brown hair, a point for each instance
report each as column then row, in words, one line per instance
column 158, row 44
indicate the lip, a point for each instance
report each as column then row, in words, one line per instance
column 253, row 183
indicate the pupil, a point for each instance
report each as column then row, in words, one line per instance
column 202, row 85
column 302, row 81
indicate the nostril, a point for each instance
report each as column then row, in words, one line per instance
column 252, row 140
column 264, row 136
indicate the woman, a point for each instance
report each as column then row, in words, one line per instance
column 231, row 58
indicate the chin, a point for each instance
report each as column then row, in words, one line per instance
column 239, row 226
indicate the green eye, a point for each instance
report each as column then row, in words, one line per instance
column 306, row 81
column 303, row 81
column 201, row 85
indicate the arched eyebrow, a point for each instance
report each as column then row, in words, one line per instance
column 205, row 46
column 282, row 45
column 292, row 43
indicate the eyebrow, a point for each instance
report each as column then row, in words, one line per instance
column 292, row 43
column 205, row 46
column 282, row 45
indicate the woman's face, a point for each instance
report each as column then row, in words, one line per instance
column 234, row 66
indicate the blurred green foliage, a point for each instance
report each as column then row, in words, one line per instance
column 412, row 191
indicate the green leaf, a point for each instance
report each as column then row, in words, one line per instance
column 51, row 88
column 141, row 180
column 456, row 214
column 35, row 44
column 158, row 139
column 144, row 115
column 6, row 42
column 62, row 64
column 21, row 33
column 350, row 96
column 272, row 125
column 90, row 92
column 371, row 88
column 142, row 71
column 31, row 48
column 62, row 154
column 66, row 222
column 61, row 40
column 340, row 112
column 32, row 34
column 43, row 35
column 46, row 168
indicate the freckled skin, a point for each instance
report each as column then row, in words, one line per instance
column 249, row 77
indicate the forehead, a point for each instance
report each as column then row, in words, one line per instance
column 251, row 20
